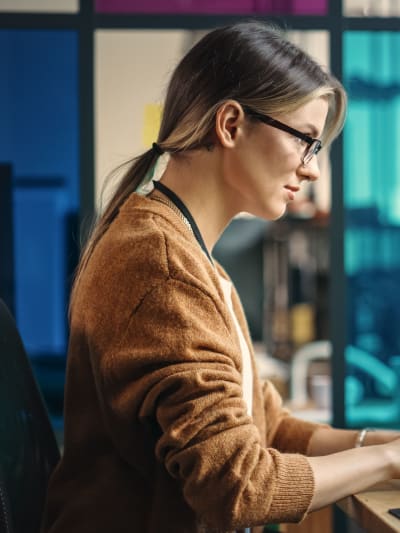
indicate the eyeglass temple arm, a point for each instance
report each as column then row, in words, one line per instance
column 272, row 121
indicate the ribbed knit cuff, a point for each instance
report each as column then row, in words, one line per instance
column 294, row 488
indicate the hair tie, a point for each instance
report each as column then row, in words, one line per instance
column 157, row 149
column 154, row 173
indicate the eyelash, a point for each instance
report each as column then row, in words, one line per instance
column 299, row 141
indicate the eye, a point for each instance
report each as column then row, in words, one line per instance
column 300, row 142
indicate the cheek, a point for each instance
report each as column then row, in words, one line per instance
column 285, row 156
column 264, row 164
column 279, row 169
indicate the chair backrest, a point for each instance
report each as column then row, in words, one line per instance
column 28, row 447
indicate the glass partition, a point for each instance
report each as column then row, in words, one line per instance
column 40, row 6
column 135, row 65
column 39, row 140
column 299, row 7
column 292, row 7
column 371, row 8
column 372, row 235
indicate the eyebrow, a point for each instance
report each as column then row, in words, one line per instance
column 312, row 129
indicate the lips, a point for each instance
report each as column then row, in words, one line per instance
column 293, row 188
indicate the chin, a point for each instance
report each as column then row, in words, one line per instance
column 281, row 214
column 268, row 211
column 274, row 214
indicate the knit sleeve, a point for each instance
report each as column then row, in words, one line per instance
column 283, row 431
column 175, row 367
column 286, row 433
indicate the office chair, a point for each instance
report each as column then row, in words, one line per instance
column 28, row 447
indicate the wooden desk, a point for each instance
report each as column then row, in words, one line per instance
column 370, row 508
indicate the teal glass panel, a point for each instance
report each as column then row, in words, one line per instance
column 372, row 234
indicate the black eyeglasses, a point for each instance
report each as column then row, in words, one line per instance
column 314, row 145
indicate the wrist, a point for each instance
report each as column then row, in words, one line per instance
column 392, row 457
column 361, row 437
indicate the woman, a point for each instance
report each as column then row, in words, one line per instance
column 167, row 427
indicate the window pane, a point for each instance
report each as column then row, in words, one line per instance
column 371, row 8
column 39, row 137
column 175, row 6
column 316, row 7
column 316, row 43
column 372, row 237
column 135, row 65
column 45, row 6
column 295, row 7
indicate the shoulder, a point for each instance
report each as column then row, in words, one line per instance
column 145, row 246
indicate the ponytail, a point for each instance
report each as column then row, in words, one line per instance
column 131, row 180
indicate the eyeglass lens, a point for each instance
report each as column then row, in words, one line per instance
column 311, row 150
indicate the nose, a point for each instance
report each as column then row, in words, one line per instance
column 310, row 171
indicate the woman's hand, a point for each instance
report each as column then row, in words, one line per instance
column 392, row 449
column 344, row 473
column 380, row 436
column 340, row 469
column 327, row 440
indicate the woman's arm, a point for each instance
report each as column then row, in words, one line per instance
column 348, row 472
column 339, row 468
column 327, row 440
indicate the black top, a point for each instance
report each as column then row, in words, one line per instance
column 185, row 212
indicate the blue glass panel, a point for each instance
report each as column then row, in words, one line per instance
column 372, row 236
column 39, row 137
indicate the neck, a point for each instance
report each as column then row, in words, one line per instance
column 198, row 183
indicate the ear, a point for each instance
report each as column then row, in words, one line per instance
column 229, row 123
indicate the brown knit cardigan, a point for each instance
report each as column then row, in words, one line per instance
column 157, row 438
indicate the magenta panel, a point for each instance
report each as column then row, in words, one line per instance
column 292, row 7
column 176, row 6
column 299, row 7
